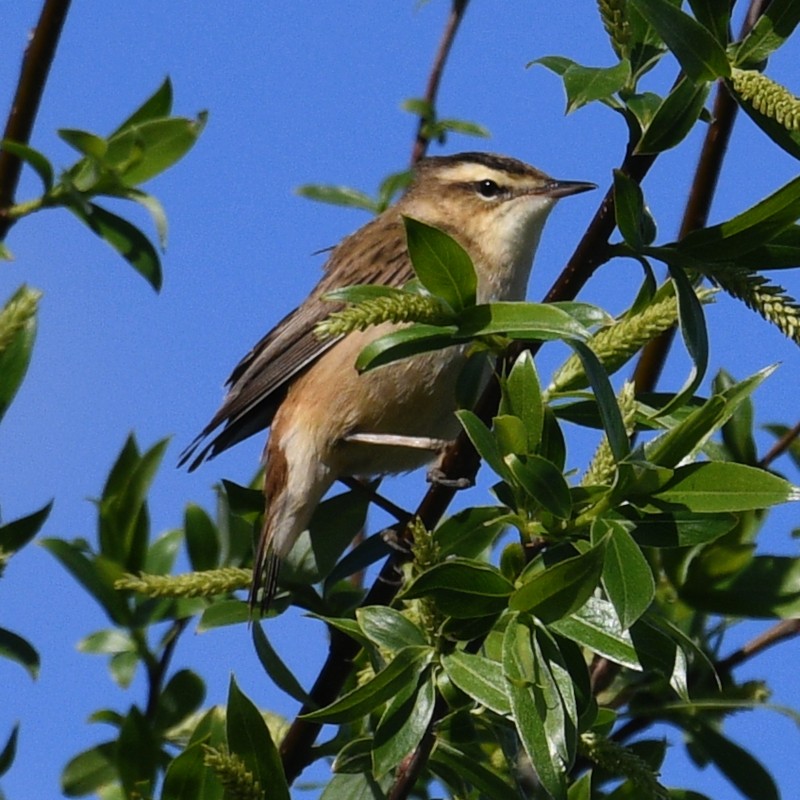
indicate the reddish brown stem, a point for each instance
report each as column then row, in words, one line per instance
column 457, row 12
column 30, row 87
column 781, row 446
column 695, row 216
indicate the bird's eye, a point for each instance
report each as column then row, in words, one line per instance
column 488, row 189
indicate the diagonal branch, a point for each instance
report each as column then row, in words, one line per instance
column 457, row 12
column 704, row 185
column 30, row 87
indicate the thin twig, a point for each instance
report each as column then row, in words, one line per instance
column 33, row 76
column 695, row 216
column 457, row 11
column 780, row 447
column 785, row 629
column 156, row 674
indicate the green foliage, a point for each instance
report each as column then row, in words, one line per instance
column 146, row 144
column 538, row 637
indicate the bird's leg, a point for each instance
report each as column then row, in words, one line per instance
column 398, row 440
column 437, row 477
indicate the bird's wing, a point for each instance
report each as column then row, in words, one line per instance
column 258, row 384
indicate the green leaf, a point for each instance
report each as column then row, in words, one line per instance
column 736, row 764
column 442, row 265
column 759, row 224
column 737, row 431
column 96, row 574
column 607, row 405
column 700, row 55
column 249, row 738
column 634, row 222
column 90, row 770
column 275, row 668
column 182, row 696
column 402, row 727
column 162, row 553
column 408, row 341
column 526, row 321
column 110, row 640
column 469, row 532
column 479, row 677
column 18, row 319
column 159, row 104
column 451, row 763
column 202, row 538
column 146, row 149
column 16, row 534
column 15, row 648
column 242, row 500
column 682, row 529
column 223, row 612
column 692, row 325
column 525, row 679
column 627, row 577
column 153, row 207
column 356, row 787
column 138, row 752
column 123, row 517
column 562, row 588
column 188, row 778
column 338, row 196
column 688, row 436
column 596, row 625
column 86, row 143
column 714, row 16
column 522, row 397
column 9, row 751
column 543, row 482
column 767, row 587
column 775, row 24
column 587, row 84
column 404, row 669
column 484, row 442
column 124, row 237
column 388, row 629
column 660, row 652
column 509, row 431
column 462, row 588
column 33, row 158
column 716, row 486
column 674, row 117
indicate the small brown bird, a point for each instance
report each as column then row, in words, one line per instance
column 328, row 421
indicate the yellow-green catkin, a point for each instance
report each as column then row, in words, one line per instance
column 18, row 312
column 232, row 773
column 618, row 760
column 602, row 467
column 765, row 298
column 617, row 343
column 192, row 584
column 613, row 14
column 397, row 308
column 767, row 97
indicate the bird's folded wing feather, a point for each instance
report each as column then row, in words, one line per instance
column 259, row 382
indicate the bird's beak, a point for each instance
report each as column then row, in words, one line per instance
column 556, row 189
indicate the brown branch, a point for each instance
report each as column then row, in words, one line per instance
column 30, row 87
column 460, row 461
column 457, row 12
column 709, row 165
column 783, row 630
column 780, row 447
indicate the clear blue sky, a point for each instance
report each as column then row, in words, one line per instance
column 297, row 92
